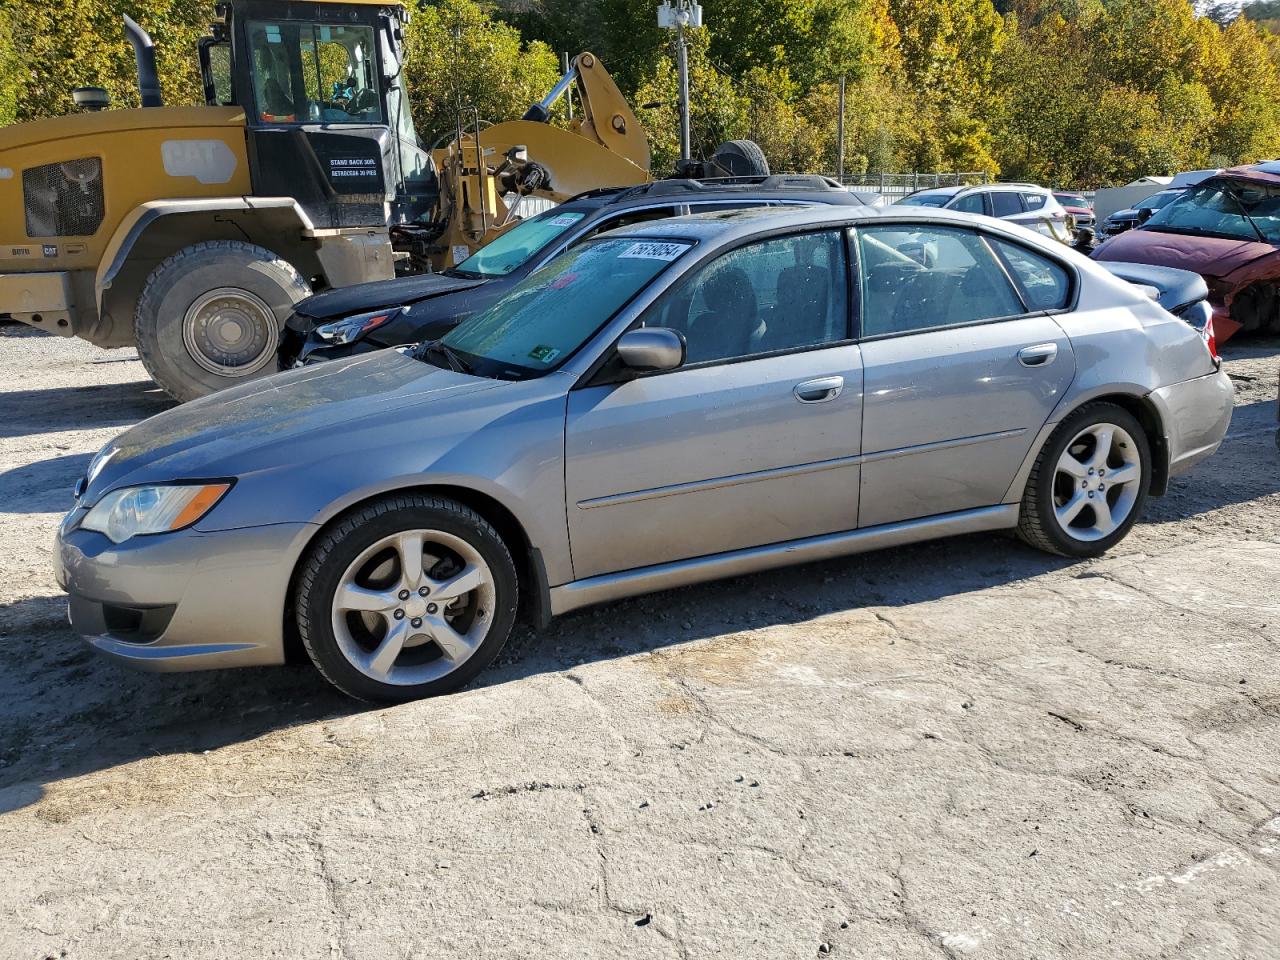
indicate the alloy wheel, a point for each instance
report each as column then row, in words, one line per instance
column 413, row 607
column 1096, row 482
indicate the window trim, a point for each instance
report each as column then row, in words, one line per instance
column 983, row 236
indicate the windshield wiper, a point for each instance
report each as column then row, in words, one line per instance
column 464, row 274
column 451, row 356
column 1245, row 213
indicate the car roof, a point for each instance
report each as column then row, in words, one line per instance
column 795, row 187
column 728, row 225
column 957, row 190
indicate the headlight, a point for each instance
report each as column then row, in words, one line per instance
column 348, row 329
column 133, row 511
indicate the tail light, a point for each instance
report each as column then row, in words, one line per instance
column 1200, row 316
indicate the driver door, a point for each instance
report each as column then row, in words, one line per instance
column 755, row 440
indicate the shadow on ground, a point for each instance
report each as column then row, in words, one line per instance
column 80, row 408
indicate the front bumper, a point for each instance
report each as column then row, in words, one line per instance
column 1196, row 414
column 44, row 300
column 189, row 600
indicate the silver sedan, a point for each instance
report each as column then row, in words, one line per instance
column 669, row 403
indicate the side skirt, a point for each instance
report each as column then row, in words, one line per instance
column 664, row 576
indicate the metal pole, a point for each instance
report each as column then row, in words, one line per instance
column 840, row 135
column 682, row 66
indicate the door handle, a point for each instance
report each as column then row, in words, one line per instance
column 820, row 390
column 1040, row 355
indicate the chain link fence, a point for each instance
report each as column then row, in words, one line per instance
column 895, row 186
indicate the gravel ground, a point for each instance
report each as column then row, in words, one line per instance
column 962, row 749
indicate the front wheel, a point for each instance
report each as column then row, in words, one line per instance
column 408, row 597
column 1089, row 484
column 210, row 316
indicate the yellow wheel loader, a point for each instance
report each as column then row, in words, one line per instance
column 191, row 232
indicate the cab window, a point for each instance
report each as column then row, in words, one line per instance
column 922, row 277
column 314, row 73
column 782, row 294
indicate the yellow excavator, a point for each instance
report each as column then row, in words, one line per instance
column 192, row 231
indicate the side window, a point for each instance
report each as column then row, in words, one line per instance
column 916, row 277
column 626, row 219
column 1045, row 284
column 775, row 295
column 970, row 203
column 1005, row 203
column 1034, row 201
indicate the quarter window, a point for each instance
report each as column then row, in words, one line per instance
column 917, row 277
column 776, row 295
column 1045, row 284
column 1005, row 203
column 1034, row 201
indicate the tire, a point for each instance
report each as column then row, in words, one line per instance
column 1059, row 507
column 741, row 158
column 375, row 636
column 210, row 316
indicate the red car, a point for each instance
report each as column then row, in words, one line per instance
column 1078, row 207
column 1227, row 229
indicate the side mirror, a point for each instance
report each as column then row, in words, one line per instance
column 1145, row 214
column 647, row 349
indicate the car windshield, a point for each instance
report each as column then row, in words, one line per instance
column 1071, row 200
column 552, row 312
column 1234, row 209
column 926, row 199
column 517, row 245
column 1159, row 200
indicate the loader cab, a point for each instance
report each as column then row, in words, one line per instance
column 327, row 115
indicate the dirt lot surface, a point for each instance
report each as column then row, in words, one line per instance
column 964, row 749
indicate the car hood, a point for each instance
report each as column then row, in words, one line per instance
column 363, row 297
column 1207, row 256
column 1129, row 213
column 284, row 419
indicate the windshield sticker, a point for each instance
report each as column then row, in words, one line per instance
column 562, row 281
column 653, row 251
column 566, row 219
column 543, row 354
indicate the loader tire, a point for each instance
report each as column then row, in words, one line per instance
column 210, row 316
column 741, row 158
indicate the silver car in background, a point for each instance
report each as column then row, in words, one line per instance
column 1034, row 207
column 668, row 403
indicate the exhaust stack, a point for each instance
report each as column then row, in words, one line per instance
column 144, row 51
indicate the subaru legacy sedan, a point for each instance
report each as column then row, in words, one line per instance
column 668, row 403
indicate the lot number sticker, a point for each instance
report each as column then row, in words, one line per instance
column 653, row 251
column 566, row 219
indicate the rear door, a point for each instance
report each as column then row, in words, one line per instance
column 754, row 440
column 963, row 364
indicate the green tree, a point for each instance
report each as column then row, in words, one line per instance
column 461, row 60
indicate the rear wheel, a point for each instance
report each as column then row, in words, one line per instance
column 1089, row 484
column 210, row 316
column 408, row 597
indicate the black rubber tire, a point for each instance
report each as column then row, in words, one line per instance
column 741, row 158
column 337, row 547
column 176, row 284
column 1038, row 526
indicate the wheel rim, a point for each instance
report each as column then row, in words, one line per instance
column 230, row 332
column 413, row 607
column 1096, row 482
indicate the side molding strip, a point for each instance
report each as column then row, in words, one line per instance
column 664, row 576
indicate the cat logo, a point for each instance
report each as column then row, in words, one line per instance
column 50, row 249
